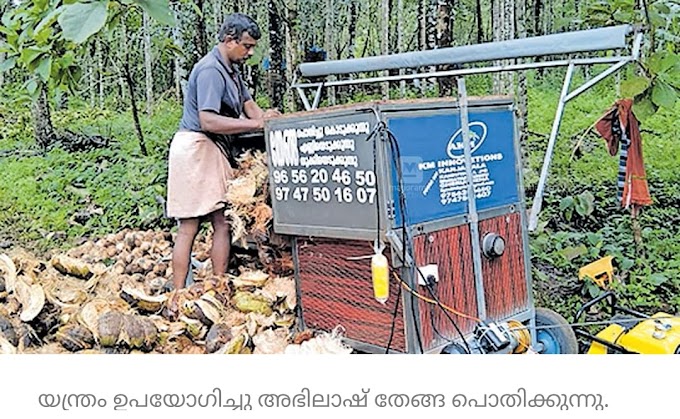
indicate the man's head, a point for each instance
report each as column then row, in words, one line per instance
column 239, row 34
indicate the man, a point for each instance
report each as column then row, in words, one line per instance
column 217, row 105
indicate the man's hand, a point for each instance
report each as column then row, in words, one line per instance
column 271, row 113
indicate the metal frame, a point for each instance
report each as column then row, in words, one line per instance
column 614, row 309
column 435, row 107
column 616, row 62
column 473, row 216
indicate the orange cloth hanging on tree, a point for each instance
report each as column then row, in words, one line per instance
column 635, row 189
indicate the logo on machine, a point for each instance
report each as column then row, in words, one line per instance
column 478, row 132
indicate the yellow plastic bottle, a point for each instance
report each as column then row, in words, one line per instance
column 380, row 271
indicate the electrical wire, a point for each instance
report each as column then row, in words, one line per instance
column 428, row 300
column 434, row 326
column 407, row 244
column 394, row 317
column 396, row 159
column 455, row 325
column 378, row 127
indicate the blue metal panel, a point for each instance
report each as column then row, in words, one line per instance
column 433, row 166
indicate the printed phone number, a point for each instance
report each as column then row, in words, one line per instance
column 323, row 176
column 324, row 194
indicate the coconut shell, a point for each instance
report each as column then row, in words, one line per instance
column 91, row 312
column 9, row 272
column 75, row 337
column 31, row 297
column 71, row 266
column 7, row 331
column 150, row 334
column 195, row 329
column 250, row 279
column 132, row 333
column 234, row 346
column 47, row 320
column 209, row 314
column 145, row 303
column 218, row 336
column 248, row 302
column 278, row 287
column 6, row 348
column 109, row 326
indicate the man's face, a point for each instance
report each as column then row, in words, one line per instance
column 240, row 51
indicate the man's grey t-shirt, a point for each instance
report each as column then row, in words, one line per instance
column 213, row 86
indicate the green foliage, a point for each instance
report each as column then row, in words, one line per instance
column 582, row 220
column 583, row 204
column 43, row 37
column 41, row 194
column 79, row 21
column 157, row 9
column 659, row 84
column 34, row 43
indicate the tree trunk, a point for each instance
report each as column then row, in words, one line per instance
column 538, row 12
column 278, row 82
column 422, row 24
column 200, row 40
column 444, row 40
column 478, row 21
column 431, row 32
column 217, row 15
column 503, row 30
column 292, row 50
column 328, row 44
column 4, row 8
column 100, row 71
column 422, row 38
column 522, row 100
column 42, row 119
column 147, row 64
column 92, row 75
column 385, row 44
column 2, row 73
column 178, row 59
column 351, row 33
column 400, row 43
column 133, row 102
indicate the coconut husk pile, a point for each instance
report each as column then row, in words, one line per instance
column 108, row 295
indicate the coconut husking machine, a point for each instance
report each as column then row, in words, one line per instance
column 407, row 218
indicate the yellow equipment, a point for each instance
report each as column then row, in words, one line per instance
column 601, row 271
column 657, row 335
column 630, row 332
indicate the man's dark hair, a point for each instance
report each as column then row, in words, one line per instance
column 236, row 24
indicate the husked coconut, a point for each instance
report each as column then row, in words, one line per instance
column 109, row 326
column 74, row 337
column 218, row 336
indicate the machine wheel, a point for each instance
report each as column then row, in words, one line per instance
column 553, row 334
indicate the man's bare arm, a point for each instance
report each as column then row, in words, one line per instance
column 253, row 110
column 218, row 124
